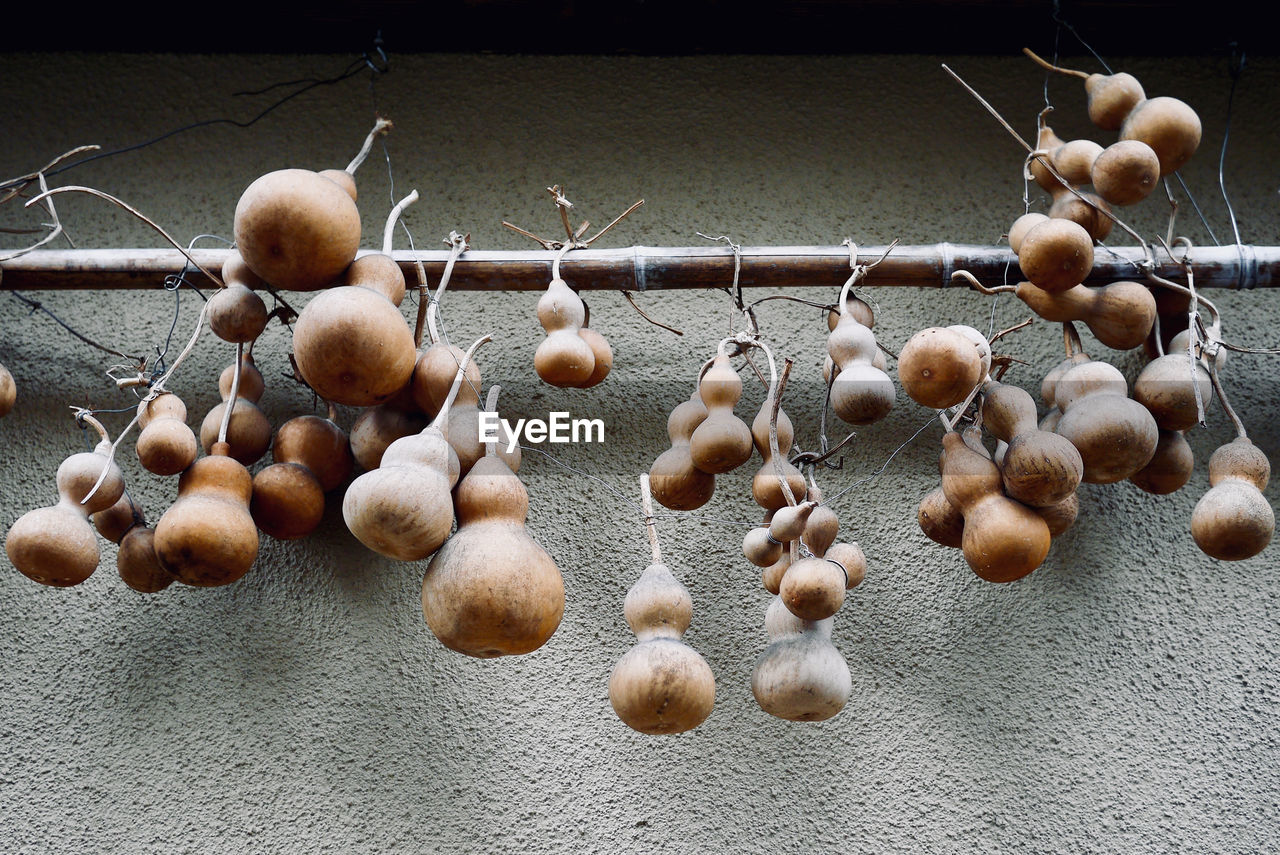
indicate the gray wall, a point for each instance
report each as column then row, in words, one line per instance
column 1124, row 697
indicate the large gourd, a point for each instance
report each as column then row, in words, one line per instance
column 676, row 483
column 661, row 685
column 1039, row 468
column 722, row 442
column 1234, row 521
column 492, row 590
column 800, row 676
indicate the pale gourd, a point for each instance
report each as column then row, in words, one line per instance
column 1167, row 387
column 56, row 545
column 800, row 676
column 861, row 393
column 813, row 588
column 1233, row 520
column 766, row 489
column 661, row 685
column 676, row 483
column 166, row 445
column 563, row 358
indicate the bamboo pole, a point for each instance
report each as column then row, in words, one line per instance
column 642, row 268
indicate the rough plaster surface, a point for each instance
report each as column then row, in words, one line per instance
column 1122, row 698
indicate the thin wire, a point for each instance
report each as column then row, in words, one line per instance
column 349, row 71
column 1237, row 67
column 885, row 465
column 1058, row 19
column 1196, row 206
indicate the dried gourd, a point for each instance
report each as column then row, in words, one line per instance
column 136, row 559
column 721, row 442
column 312, row 456
column 676, row 483
column 165, row 446
column 800, row 676
column 1039, row 468
column 1120, row 315
column 1233, row 520
column 248, row 434
column 1115, row 435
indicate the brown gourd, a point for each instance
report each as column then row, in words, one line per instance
column 1167, row 387
column 1120, row 315
column 235, row 313
column 248, row 431
column 852, row 560
column 1233, row 520
column 765, row 486
column 861, row 393
column 312, row 456
column 56, row 545
column 382, row 424
column 1126, row 172
column 165, row 446
column 1170, row 467
column 1056, row 255
column 298, row 229
column 403, row 509
column 940, row 521
column 721, row 442
column 136, row 559
column 800, row 676
column 1003, row 539
column 599, row 348
column 563, row 358
column 351, row 344
column 1115, row 435
column 813, row 588
column 1039, row 468
column 938, row 367
column 856, row 306
column 676, row 483
column 207, row 537
column 492, row 590
column 661, row 685
column 1074, row 162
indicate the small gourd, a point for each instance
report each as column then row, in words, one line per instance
column 1170, row 467
column 56, row 545
column 563, row 358
column 312, row 456
column 721, row 442
column 1039, row 468
column 852, row 560
column 491, row 589
column 165, row 446
column 939, row 519
column 861, row 393
column 1074, row 162
column 1115, row 435
column 661, row 685
column 235, row 313
column 599, row 347
column 1233, row 520
column 1167, row 388
column 1120, row 315
column 207, row 536
column 760, row 548
column 938, row 367
column 856, row 306
column 248, row 432
column 382, row 424
column 433, row 376
column 676, row 483
column 1169, row 126
column 766, row 489
column 403, row 509
column 813, row 588
column 8, row 392
column 1126, row 172
column 351, row 343
column 136, row 560
column 800, row 676
column 1003, row 539
column 1056, row 255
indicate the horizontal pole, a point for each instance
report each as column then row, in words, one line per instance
column 642, row 268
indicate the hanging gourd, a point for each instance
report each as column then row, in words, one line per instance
column 350, row 343
column 563, row 358
column 248, row 433
column 1038, row 468
column 165, row 446
column 403, row 509
column 939, row 366
column 676, row 483
column 491, row 590
column 1233, row 520
column 800, row 676
column 235, row 313
column 56, row 545
column 312, row 456
column 766, row 488
column 298, row 229
column 136, row 559
column 8, row 392
column 861, row 393
column 721, row 442
column 813, row 588
column 661, row 685
column 207, row 537
column 599, row 348
column 1115, row 435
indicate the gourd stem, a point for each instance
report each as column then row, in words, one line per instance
column 332, row 411
column 389, row 230
column 978, row 286
column 1071, row 339
column 424, row 303
column 1048, row 66
column 555, row 262
column 380, row 127
column 231, row 398
column 491, row 406
column 458, row 244
column 1158, row 337
column 776, row 387
column 443, row 415
column 83, row 415
column 650, row 525
column 157, row 389
column 1222, row 398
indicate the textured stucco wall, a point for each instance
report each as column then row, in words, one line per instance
column 1122, row 698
